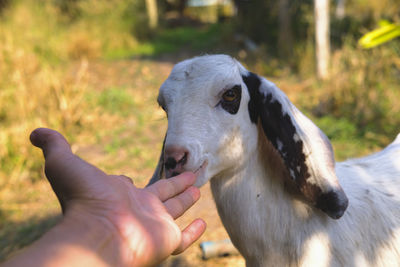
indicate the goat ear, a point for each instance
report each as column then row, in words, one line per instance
column 304, row 148
column 159, row 172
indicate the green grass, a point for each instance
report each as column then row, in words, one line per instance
column 116, row 101
column 15, row 236
column 172, row 40
column 347, row 140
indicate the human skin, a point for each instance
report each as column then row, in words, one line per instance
column 107, row 220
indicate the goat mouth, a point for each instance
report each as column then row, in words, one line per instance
column 200, row 174
column 201, row 168
column 199, row 171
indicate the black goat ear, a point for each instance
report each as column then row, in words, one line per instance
column 159, row 172
column 304, row 148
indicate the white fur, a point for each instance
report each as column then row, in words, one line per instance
column 267, row 224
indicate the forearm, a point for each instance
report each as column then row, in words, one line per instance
column 72, row 244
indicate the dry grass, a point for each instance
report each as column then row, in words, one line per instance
column 365, row 86
column 52, row 84
column 363, row 89
column 118, row 127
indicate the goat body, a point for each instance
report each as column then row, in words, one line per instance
column 279, row 193
column 272, row 228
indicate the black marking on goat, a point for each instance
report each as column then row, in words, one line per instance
column 332, row 204
column 253, row 83
column 280, row 130
column 232, row 107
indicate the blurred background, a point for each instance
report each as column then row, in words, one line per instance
column 92, row 69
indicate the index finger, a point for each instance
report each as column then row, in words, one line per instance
column 167, row 188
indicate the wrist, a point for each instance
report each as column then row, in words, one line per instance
column 83, row 233
column 77, row 240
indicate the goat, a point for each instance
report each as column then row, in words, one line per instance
column 272, row 171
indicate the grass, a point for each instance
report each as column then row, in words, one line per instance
column 49, row 79
column 346, row 139
column 118, row 128
column 115, row 101
column 19, row 235
column 171, row 40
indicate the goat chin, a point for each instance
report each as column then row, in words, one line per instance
column 282, row 198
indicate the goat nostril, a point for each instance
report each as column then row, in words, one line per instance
column 182, row 161
column 175, row 159
column 170, row 163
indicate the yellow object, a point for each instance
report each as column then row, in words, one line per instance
column 386, row 32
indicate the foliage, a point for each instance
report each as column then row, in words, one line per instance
column 3, row 5
column 363, row 89
column 259, row 20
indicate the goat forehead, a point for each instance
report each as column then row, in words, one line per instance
column 202, row 76
column 199, row 66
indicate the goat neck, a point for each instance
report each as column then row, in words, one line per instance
column 258, row 201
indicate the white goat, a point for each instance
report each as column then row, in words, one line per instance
column 273, row 174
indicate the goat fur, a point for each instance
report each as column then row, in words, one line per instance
column 273, row 214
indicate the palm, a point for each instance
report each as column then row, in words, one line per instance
column 144, row 218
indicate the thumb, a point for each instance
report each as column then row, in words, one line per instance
column 49, row 141
column 69, row 176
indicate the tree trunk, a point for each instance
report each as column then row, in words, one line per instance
column 321, row 14
column 152, row 13
column 285, row 40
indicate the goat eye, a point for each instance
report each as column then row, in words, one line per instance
column 229, row 95
column 231, row 99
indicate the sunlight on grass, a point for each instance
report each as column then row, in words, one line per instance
column 116, row 101
column 171, row 40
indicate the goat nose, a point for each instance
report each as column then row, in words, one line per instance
column 176, row 158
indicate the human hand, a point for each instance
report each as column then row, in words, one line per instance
column 138, row 223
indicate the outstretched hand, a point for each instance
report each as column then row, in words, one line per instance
column 137, row 225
